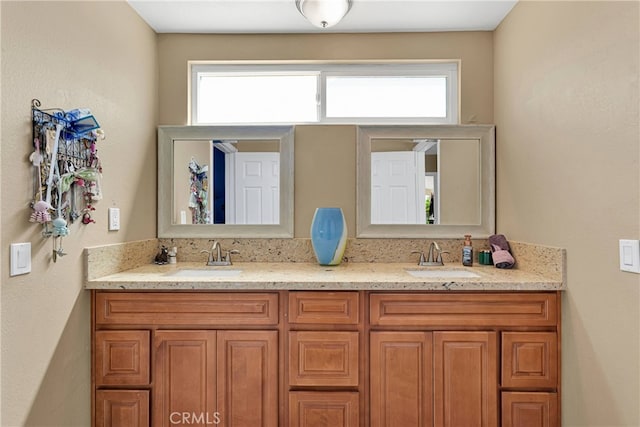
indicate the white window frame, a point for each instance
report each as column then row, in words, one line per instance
column 449, row 69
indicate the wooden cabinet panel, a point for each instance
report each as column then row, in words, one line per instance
column 118, row 408
column 324, row 409
column 248, row 378
column 184, row 375
column 529, row 360
column 323, row 358
column 401, row 379
column 339, row 308
column 473, row 310
column 183, row 309
column 430, row 359
column 466, row 379
column 122, row 358
column 530, row 409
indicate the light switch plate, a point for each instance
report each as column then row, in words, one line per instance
column 630, row 255
column 114, row 219
column 20, row 258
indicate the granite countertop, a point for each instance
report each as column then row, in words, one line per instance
column 311, row 276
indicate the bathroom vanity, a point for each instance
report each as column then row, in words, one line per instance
column 298, row 344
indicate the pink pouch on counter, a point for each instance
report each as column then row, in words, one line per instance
column 501, row 254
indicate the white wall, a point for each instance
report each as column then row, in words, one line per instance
column 102, row 56
column 568, row 159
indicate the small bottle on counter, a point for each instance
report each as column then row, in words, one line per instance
column 172, row 255
column 467, row 251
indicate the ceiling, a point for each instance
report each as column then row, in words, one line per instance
column 281, row 16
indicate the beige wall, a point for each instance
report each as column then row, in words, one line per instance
column 566, row 97
column 325, row 166
column 460, row 181
column 102, row 56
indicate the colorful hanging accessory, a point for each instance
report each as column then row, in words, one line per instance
column 66, row 168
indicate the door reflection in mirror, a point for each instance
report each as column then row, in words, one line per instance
column 236, row 182
column 425, row 181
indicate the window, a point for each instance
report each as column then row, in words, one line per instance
column 420, row 93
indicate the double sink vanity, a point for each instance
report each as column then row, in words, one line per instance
column 299, row 344
column 277, row 340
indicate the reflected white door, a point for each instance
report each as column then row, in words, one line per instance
column 397, row 187
column 257, row 188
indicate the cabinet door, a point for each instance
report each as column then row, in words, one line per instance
column 530, row 360
column 324, row 409
column 185, row 377
column 466, row 379
column 116, row 408
column 530, row 410
column 401, row 379
column 323, row 358
column 122, row 358
column 248, row 378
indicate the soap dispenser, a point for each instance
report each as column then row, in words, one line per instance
column 467, row 251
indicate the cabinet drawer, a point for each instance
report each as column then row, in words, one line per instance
column 122, row 358
column 529, row 360
column 320, row 409
column 530, row 409
column 339, row 308
column 323, row 358
column 116, row 408
column 435, row 310
column 197, row 309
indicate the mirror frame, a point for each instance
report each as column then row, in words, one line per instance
column 484, row 133
column 166, row 136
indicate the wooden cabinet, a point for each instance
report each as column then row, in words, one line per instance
column 401, row 379
column 247, row 372
column 465, row 378
column 435, row 359
column 433, row 378
column 324, row 409
column 230, row 376
column 184, row 375
column 323, row 358
column 529, row 360
column 122, row 408
column 214, row 359
column 122, row 358
column 530, row 409
column 530, row 369
column 326, row 359
column 324, row 308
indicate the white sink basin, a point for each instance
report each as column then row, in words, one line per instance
column 443, row 273
column 205, row 273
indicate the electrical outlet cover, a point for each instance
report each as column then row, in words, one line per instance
column 114, row 219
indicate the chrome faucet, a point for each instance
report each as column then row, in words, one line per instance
column 434, row 256
column 218, row 259
column 218, row 248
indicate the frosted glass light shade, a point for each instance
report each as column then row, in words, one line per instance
column 323, row 13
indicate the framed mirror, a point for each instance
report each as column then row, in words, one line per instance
column 435, row 181
column 225, row 181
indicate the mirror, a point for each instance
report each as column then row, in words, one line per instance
column 225, row 181
column 426, row 181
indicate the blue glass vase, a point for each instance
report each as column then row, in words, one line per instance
column 328, row 235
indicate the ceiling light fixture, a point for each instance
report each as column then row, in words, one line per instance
column 324, row 13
